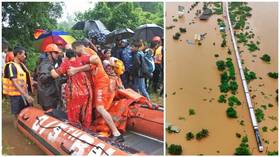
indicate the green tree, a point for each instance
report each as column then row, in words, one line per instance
column 233, row 86
column 259, row 114
column 174, row 149
column 117, row 15
column 243, row 148
column 266, row 58
column 231, row 113
column 233, row 100
column 221, row 65
column 249, row 75
column 189, row 136
column 222, row 99
column 273, row 75
column 20, row 19
column 202, row 134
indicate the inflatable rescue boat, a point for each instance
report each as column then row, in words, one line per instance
column 55, row 136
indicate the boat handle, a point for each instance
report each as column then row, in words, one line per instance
column 69, row 152
column 25, row 118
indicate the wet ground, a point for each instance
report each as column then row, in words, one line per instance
column 193, row 79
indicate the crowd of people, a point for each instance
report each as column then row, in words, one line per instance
column 82, row 78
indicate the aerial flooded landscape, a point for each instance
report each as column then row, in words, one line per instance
column 222, row 88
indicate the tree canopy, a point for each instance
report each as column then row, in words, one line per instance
column 20, row 19
column 117, row 15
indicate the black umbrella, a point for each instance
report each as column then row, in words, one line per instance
column 148, row 31
column 91, row 25
column 119, row 33
column 79, row 25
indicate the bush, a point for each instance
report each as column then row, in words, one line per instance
column 224, row 43
column 189, row 136
column 221, row 65
column 231, row 68
column 202, row 134
column 259, row 115
column 174, row 149
column 249, row 75
column 222, row 99
column 231, row 113
column 266, row 58
column 238, row 135
column 191, row 112
column 224, row 88
column 273, row 75
column 264, row 129
column 252, row 47
column 272, row 153
column 242, row 38
column 176, row 36
column 182, row 30
column 224, row 77
column 233, row 86
column 233, row 100
column 243, row 148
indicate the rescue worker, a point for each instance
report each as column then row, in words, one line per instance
column 78, row 91
column 157, row 75
column 48, row 93
column 17, row 82
column 101, row 83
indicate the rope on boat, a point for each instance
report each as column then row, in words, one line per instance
column 58, row 127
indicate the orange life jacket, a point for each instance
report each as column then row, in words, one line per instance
column 23, row 80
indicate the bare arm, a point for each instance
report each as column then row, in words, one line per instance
column 73, row 70
column 94, row 59
column 54, row 74
column 22, row 92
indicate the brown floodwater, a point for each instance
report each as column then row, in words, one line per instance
column 13, row 141
column 191, row 73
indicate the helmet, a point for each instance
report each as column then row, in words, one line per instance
column 156, row 39
column 52, row 48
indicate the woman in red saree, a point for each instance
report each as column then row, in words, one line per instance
column 78, row 91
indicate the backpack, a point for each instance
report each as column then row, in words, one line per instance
column 147, row 63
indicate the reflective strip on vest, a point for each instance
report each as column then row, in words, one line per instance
column 8, row 86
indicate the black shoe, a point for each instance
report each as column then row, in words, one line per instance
column 118, row 139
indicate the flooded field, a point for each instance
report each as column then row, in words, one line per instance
column 192, row 82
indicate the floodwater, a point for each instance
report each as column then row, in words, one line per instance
column 193, row 79
column 14, row 142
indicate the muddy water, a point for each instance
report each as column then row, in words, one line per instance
column 266, row 32
column 13, row 141
column 191, row 73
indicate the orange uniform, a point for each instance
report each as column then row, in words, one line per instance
column 90, row 51
column 101, row 83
